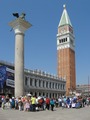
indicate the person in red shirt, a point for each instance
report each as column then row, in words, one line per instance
column 47, row 103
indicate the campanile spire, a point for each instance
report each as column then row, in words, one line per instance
column 65, row 18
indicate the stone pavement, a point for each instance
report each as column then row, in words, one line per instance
column 57, row 114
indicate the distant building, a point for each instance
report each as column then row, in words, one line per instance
column 36, row 82
column 83, row 89
column 66, row 52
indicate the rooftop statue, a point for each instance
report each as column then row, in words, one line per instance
column 22, row 16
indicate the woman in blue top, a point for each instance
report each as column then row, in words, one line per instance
column 52, row 104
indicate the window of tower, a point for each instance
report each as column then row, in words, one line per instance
column 59, row 41
column 63, row 40
column 66, row 39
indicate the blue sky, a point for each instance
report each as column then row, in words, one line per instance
column 40, row 39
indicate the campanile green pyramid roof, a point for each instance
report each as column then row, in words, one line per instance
column 65, row 18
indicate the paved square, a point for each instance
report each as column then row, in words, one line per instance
column 57, row 114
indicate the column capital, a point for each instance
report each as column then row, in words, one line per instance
column 19, row 25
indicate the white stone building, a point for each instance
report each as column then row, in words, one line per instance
column 41, row 83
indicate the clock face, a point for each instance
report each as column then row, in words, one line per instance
column 63, row 30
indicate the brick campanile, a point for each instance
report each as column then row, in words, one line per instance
column 66, row 52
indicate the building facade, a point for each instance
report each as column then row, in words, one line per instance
column 36, row 82
column 83, row 89
column 66, row 52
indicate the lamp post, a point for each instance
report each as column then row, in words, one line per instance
column 88, row 85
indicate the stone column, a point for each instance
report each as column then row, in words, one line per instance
column 19, row 26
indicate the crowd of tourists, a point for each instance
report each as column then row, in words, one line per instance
column 33, row 103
